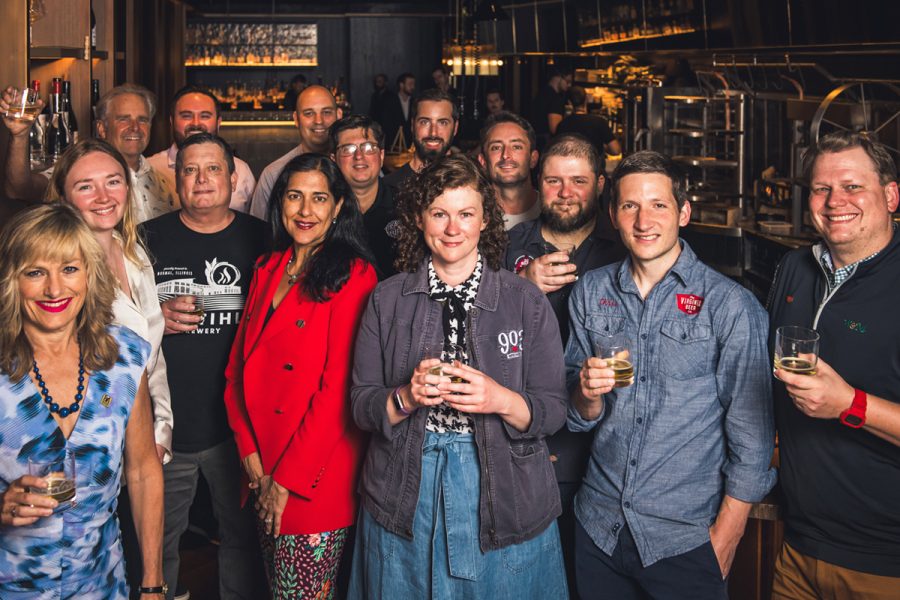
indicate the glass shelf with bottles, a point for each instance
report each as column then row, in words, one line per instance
column 252, row 45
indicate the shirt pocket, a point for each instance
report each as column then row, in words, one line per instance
column 685, row 349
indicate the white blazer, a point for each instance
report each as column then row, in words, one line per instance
column 144, row 316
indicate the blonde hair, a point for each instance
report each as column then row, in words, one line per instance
column 54, row 232
column 128, row 227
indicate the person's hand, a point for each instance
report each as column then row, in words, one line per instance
column 161, row 452
column 253, row 467
column 478, row 393
column 597, row 378
column 175, row 312
column 548, row 276
column 20, row 507
column 724, row 546
column 270, row 504
column 824, row 395
column 423, row 386
column 16, row 127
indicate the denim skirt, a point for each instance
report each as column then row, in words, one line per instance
column 444, row 560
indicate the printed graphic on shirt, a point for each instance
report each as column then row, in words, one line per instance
column 689, row 303
column 393, row 229
column 855, row 326
column 220, row 293
column 511, row 343
column 522, row 262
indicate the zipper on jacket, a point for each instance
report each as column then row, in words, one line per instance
column 828, row 294
column 483, row 430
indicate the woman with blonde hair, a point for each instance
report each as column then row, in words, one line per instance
column 93, row 177
column 73, row 392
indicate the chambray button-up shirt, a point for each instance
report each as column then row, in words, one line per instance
column 697, row 422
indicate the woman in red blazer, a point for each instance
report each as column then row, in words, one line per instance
column 288, row 387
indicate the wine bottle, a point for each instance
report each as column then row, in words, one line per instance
column 71, row 121
column 57, row 136
column 95, row 99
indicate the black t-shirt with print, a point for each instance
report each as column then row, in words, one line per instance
column 219, row 267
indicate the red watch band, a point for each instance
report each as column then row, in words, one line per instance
column 855, row 416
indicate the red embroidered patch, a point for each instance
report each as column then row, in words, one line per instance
column 522, row 262
column 789, row 299
column 689, row 303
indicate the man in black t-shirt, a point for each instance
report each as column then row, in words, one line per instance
column 549, row 107
column 203, row 262
column 358, row 144
column 570, row 183
column 839, row 427
column 594, row 128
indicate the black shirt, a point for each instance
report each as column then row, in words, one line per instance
column 594, row 128
column 841, row 486
column 382, row 227
column 398, row 177
column 546, row 102
column 600, row 248
column 218, row 266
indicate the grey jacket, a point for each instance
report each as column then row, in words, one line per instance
column 513, row 338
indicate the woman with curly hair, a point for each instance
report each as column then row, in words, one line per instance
column 459, row 496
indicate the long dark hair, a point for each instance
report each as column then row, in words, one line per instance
column 328, row 268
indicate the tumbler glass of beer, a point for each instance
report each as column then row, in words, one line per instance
column 796, row 349
column 449, row 354
column 59, row 473
column 616, row 351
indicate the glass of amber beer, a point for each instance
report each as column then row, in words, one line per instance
column 616, row 351
column 796, row 349
column 59, row 473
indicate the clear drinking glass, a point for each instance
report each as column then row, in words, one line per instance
column 60, row 476
column 448, row 354
column 616, row 351
column 199, row 308
column 796, row 349
column 24, row 105
column 566, row 247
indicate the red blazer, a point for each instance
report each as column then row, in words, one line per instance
column 288, row 395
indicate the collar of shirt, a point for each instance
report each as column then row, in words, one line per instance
column 171, row 153
column 143, row 167
column 838, row 276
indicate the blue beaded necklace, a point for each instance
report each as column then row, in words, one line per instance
column 48, row 399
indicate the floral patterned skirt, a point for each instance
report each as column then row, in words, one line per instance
column 303, row 566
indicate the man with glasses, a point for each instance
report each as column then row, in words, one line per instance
column 358, row 143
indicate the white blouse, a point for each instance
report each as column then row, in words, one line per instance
column 144, row 316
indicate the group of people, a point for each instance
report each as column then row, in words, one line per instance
column 390, row 384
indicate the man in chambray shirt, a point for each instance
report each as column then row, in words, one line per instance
column 680, row 455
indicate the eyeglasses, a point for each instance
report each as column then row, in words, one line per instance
column 350, row 149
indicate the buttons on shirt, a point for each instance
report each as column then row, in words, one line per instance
column 627, row 505
column 633, row 462
column 300, row 323
column 639, row 420
column 643, row 378
column 643, row 336
column 288, row 367
column 616, row 527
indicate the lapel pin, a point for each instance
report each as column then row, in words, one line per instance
column 106, row 400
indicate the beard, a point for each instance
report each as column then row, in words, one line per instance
column 556, row 222
column 179, row 138
column 428, row 155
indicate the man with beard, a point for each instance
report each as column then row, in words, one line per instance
column 508, row 156
column 571, row 181
column 195, row 109
column 315, row 112
column 435, row 121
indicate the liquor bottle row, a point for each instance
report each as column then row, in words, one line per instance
column 54, row 128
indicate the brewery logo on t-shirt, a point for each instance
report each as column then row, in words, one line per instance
column 522, row 262
column 221, row 295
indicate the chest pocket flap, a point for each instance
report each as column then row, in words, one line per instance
column 604, row 324
column 685, row 331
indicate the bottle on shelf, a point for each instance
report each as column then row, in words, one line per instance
column 36, row 153
column 93, row 30
column 95, row 99
column 71, row 121
column 57, row 137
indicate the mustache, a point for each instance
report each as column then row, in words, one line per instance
column 433, row 139
column 195, row 129
column 507, row 163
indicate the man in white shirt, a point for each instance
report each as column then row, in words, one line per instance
column 315, row 112
column 195, row 109
column 508, row 155
column 124, row 114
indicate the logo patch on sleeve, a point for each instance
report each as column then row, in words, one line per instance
column 522, row 262
column 689, row 304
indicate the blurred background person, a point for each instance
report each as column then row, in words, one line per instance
column 494, row 102
column 458, row 518
column 72, row 387
column 288, row 377
column 593, row 127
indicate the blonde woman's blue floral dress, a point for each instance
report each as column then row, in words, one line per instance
column 74, row 553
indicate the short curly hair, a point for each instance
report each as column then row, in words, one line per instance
column 451, row 172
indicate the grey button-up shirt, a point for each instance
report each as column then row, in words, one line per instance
column 697, row 422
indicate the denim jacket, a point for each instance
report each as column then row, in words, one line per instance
column 513, row 337
column 697, row 422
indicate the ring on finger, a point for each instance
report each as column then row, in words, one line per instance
column 13, row 510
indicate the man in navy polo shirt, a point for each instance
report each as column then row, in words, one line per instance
column 680, row 455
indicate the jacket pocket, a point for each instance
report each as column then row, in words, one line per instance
column 533, row 483
column 685, row 349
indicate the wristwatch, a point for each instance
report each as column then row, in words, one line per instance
column 398, row 402
column 855, row 416
column 159, row 589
